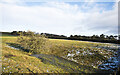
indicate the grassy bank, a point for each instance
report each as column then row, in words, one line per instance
column 15, row 61
column 20, row 61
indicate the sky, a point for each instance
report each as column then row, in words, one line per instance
column 63, row 18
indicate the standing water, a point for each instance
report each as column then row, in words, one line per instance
column 112, row 63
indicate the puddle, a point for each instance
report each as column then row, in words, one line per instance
column 13, row 47
column 110, row 64
column 70, row 55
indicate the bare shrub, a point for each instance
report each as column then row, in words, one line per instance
column 35, row 43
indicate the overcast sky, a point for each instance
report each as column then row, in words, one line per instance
column 64, row 18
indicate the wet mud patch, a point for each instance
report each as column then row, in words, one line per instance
column 67, row 65
column 9, row 55
column 17, row 47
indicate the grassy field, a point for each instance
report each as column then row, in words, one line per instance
column 69, row 56
column 15, row 61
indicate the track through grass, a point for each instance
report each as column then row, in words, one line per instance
column 56, row 60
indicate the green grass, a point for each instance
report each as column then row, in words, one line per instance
column 20, row 61
column 16, row 61
column 63, row 47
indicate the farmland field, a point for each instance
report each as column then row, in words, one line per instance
column 64, row 56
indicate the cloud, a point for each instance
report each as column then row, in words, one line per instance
column 59, row 18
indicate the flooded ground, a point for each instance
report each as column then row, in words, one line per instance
column 111, row 63
column 98, row 57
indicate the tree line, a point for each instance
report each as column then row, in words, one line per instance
column 95, row 38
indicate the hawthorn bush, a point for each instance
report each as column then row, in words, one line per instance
column 35, row 43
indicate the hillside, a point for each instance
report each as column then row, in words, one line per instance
column 15, row 61
column 66, row 56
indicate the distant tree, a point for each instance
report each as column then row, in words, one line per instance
column 71, row 35
column 93, row 37
column 115, row 37
column 14, row 33
column 111, row 37
column 97, row 36
column 102, row 36
column 107, row 37
column 119, row 37
column 75, row 36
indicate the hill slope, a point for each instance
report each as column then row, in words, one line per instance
column 19, row 61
